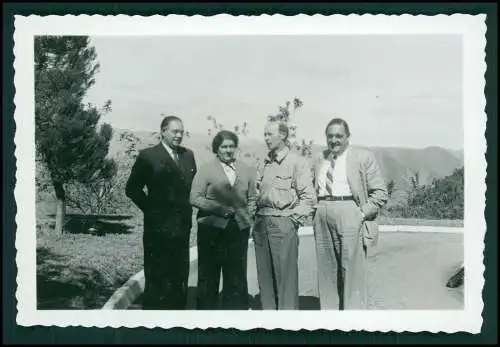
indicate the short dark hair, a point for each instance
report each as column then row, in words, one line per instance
column 221, row 136
column 167, row 120
column 339, row 121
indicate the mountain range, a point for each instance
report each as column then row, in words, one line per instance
column 396, row 163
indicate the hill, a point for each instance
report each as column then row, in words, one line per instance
column 397, row 163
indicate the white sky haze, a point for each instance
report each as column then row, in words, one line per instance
column 394, row 90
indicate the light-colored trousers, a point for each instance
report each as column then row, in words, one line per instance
column 341, row 256
column 276, row 245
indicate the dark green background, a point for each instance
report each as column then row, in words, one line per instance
column 45, row 335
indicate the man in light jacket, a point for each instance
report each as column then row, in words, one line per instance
column 350, row 190
column 285, row 199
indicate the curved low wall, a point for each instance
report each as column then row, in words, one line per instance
column 126, row 295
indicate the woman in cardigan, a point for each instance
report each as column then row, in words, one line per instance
column 224, row 192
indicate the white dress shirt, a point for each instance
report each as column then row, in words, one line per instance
column 340, row 183
column 230, row 172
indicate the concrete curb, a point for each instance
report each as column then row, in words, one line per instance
column 126, row 295
column 420, row 229
column 401, row 228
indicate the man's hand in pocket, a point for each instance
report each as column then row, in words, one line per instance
column 297, row 220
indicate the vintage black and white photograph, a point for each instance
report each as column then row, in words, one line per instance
column 279, row 172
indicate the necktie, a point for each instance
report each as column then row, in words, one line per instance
column 329, row 176
column 176, row 157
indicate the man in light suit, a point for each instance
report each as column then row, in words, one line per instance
column 167, row 171
column 351, row 191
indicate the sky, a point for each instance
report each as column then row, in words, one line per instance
column 393, row 90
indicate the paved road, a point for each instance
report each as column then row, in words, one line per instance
column 408, row 271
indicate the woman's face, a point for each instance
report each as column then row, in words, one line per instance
column 227, row 150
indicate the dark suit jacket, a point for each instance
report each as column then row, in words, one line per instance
column 212, row 194
column 367, row 185
column 168, row 186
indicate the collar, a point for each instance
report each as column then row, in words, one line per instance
column 170, row 150
column 278, row 156
column 231, row 165
column 342, row 156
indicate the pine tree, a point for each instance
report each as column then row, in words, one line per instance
column 66, row 136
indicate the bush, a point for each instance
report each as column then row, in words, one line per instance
column 442, row 199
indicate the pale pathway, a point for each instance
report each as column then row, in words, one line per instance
column 409, row 271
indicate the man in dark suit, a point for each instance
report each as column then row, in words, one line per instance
column 167, row 171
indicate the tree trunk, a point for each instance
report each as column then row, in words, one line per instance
column 60, row 206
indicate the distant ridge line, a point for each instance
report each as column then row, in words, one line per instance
column 244, row 139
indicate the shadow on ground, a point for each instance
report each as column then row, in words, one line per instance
column 305, row 302
column 60, row 287
column 99, row 225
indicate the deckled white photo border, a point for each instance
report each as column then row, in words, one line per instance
column 472, row 29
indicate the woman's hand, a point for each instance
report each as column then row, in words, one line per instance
column 229, row 212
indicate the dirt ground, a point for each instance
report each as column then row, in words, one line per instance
column 407, row 271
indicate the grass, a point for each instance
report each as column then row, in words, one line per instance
column 80, row 270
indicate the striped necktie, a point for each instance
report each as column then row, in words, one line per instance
column 175, row 156
column 329, row 176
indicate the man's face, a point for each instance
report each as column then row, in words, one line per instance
column 173, row 133
column 273, row 138
column 336, row 138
